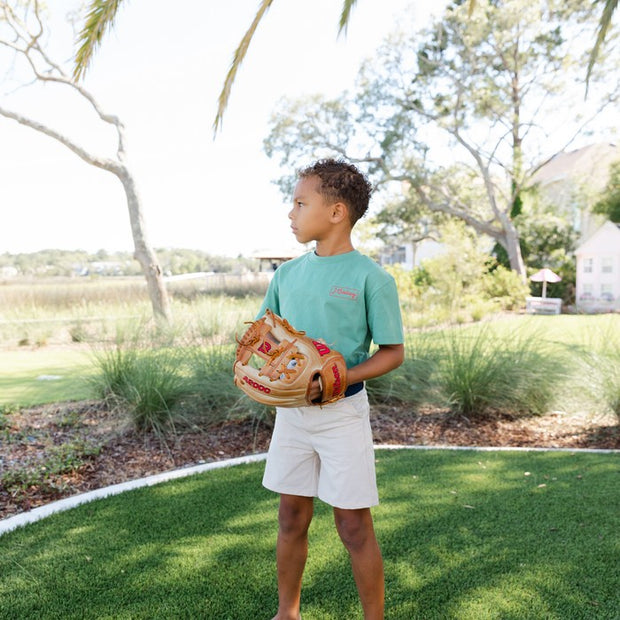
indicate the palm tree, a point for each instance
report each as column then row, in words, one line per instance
column 101, row 14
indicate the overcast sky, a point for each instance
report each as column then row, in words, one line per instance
column 160, row 71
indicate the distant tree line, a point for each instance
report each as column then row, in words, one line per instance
column 70, row 263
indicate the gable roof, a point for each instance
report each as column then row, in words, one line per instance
column 590, row 162
column 605, row 239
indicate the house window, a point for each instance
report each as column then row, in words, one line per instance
column 607, row 264
column 586, row 291
column 607, row 292
column 588, row 264
column 396, row 256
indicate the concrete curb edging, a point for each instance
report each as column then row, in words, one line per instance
column 36, row 514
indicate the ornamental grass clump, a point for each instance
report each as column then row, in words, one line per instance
column 412, row 382
column 146, row 383
column 212, row 394
column 480, row 372
column 600, row 372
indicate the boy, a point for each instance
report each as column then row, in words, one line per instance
column 336, row 294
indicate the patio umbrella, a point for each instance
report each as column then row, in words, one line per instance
column 544, row 276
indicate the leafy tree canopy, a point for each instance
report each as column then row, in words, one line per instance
column 455, row 120
column 609, row 204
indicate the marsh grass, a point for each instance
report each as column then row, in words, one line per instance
column 519, row 365
column 413, row 381
column 64, row 310
column 169, row 386
column 212, row 395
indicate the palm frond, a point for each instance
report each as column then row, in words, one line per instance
column 238, row 57
column 608, row 10
column 99, row 18
column 345, row 16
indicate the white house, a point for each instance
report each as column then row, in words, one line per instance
column 410, row 255
column 598, row 270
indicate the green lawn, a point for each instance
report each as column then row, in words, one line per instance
column 466, row 535
column 32, row 377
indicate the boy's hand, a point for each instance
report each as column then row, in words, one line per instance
column 316, row 390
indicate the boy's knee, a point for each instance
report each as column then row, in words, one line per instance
column 354, row 528
column 295, row 515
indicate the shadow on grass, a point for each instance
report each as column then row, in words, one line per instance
column 464, row 536
column 524, row 535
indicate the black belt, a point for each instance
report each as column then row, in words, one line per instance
column 354, row 389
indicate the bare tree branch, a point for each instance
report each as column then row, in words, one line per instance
column 26, row 43
column 89, row 158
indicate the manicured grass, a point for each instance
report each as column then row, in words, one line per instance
column 466, row 535
column 575, row 330
column 32, row 377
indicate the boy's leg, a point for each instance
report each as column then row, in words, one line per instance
column 294, row 519
column 357, row 533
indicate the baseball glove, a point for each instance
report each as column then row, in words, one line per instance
column 290, row 362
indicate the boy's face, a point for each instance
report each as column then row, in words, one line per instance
column 311, row 214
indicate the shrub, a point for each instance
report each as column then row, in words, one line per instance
column 505, row 287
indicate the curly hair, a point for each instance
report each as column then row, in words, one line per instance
column 341, row 182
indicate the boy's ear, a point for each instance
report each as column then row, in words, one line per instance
column 339, row 212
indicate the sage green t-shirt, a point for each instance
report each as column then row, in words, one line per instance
column 346, row 300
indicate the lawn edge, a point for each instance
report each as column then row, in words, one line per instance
column 36, row 514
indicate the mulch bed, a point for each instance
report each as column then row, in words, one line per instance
column 55, row 451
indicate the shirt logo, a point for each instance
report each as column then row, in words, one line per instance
column 344, row 292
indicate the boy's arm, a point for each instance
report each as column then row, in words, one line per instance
column 386, row 358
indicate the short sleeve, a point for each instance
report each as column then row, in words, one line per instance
column 271, row 299
column 384, row 317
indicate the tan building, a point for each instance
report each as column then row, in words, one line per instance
column 270, row 259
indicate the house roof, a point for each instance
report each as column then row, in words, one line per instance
column 605, row 239
column 591, row 161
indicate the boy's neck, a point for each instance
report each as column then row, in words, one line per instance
column 332, row 248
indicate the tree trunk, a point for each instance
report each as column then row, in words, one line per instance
column 143, row 252
column 27, row 43
column 510, row 242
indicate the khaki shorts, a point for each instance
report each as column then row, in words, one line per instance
column 325, row 452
